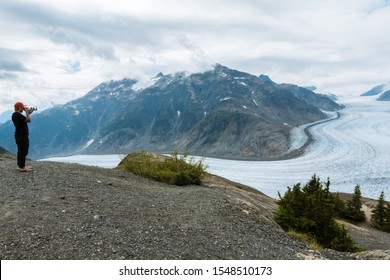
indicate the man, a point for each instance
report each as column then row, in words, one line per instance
column 21, row 134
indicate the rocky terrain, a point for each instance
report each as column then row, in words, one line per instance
column 71, row 211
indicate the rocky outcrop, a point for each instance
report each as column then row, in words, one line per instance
column 373, row 255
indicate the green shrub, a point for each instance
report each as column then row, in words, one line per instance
column 341, row 240
column 175, row 170
column 311, row 210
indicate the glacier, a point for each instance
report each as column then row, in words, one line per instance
column 351, row 150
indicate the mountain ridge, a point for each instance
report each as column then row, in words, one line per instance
column 382, row 91
column 220, row 113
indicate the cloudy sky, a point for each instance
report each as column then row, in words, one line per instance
column 55, row 51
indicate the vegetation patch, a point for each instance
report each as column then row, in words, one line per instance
column 311, row 210
column 350, row 209
column 380, row 218
column 175, row 169
column 307, row 238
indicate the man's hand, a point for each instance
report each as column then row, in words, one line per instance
column 28, row 118
column 28, row 110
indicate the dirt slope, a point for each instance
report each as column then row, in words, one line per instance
column 71, row 211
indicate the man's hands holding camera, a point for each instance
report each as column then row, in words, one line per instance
column 29, row 110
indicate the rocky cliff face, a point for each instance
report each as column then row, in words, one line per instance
column 221, row 113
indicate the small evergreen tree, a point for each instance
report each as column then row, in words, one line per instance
column 313, row 185
column 353, row 210
column 319, row 208
column 311, row 210
column 290, row 213
column 339, row 205
column 380, row 217
column 386, row 226
column 342, row 240
column 387, row 221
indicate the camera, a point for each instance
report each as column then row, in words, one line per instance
column 30, row 109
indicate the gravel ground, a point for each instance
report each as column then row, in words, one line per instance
column 71, row 211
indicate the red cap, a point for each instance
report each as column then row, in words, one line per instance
column 19, row 105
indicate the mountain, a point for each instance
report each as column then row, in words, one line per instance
column 66, row 129
column 5, row 116
column 382, row 90
column 265, row 78
column 385, row 96
column 326, row 94
column 3, row 151
column 219, row 113
column 322, row 101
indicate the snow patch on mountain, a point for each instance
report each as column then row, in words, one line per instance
column 89, row 143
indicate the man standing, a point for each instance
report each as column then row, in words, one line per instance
column 21, row 134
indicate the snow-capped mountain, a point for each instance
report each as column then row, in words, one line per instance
column 218, row 113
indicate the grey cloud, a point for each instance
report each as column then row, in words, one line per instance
column 302, row 38
column 12, row 66
column 7, row 76
column 95, row 34
column 80, row 42
column 10, row 61
column 59, row 27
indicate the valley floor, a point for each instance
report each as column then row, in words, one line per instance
column 350, row 149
